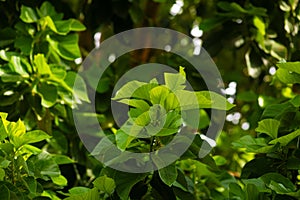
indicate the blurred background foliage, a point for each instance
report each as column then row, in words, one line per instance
column 245, row 38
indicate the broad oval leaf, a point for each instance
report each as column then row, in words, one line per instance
column 105, row 184
column 65, row 46
column 168, row 174
column 41, row 64
column 48, row 93
column 269, row 127
column 175, row 81
column 28, row 14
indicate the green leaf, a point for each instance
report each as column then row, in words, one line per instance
column 171, row 102
column 87, row 195
column 183, row 182
column 62, row 159
column 220, row 160
column 41, row 65
column 103, row 84
column 204, row 119
column 260, row 25
column 296, row 101
column 278, row 183
column 80, row 90
column 47, row 22
column 59, row 180
column 158, row 95
column 14, row 192
column 10, row 78
column 251, row 144
column 168, row 174
column 172, row 124
column 3, row 126
column 127, row 90
column 277, row 110
column 9, row 100
column 6, row 55
column 47, row 9
column 65, row 46
column 59, row 142
column 105, row 184
column 24, row 43
column 2, row 175
column 78, row 190
column 124, row 181
column 16, row 65
column 251, row 192
column 63, row 27
column 15, row 132
column 137, row 103
column 234, row 9
column 258, row 182
column 123, row 139
column 175, row 81
column 8, row 148
column 30, row 137
column 226, row 6
column 188, row 100
column 157, row 114
column 143, row 91
column 285, row 140
column 25, row 29
column 43, row 166
column 278, row 187
column 287, row 77
column 4, row 163
column 269, row 127
column 290, row 66
column 28, row 14
column 31, row 184
column 209, row 99
column 48, row 93
column 143, row 119
column 31, row 149
column 236, row 192
column 58, row 71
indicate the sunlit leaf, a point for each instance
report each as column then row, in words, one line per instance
column 290, row 66
column 269, row 127
column 41, row 64
column 286, row 139
column 127, row 90
column 59, row 180
column 175, row 81
column 28, row 14
column 287, row 77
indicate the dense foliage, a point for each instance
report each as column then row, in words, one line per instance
column 255, row 45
